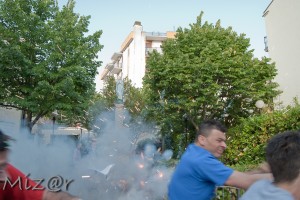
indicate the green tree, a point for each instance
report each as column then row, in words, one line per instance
column 206, row 72
column 109, row 91
column 97, row 106
column 47, row 60
column 134, row 99
column 89, row 118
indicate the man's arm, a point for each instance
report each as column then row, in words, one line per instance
column 244, row 180
column 58, row 196
column 261, row 169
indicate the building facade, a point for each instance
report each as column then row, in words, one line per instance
column 130, row 62
column 282, row 19
column 10, row 120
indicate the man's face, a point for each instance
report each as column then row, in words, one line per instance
column 3, row 159
column 214, row 142
column 3, row 163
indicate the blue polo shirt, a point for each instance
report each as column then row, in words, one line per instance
column 196, row 175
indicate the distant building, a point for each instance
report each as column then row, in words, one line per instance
column 10, row 120
column 130, row 62
column 282, row 19
column 46, row 134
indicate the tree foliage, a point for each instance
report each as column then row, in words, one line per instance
column 90, row 117
column 207, row 71
column 47, row 60
column 134, row 99
column 109, row 91
column 246, row 142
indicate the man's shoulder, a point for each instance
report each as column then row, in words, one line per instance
column 264, row 189
column 197, row 150
column 10, row 167
column 13, row 171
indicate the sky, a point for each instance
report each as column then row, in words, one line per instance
column 116, row 18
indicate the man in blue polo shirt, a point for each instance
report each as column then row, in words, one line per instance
column 199, row 170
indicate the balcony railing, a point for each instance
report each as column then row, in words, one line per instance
column 155, row 34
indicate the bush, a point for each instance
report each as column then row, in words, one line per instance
column 246, row 142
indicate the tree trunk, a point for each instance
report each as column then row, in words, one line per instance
column 28, row 121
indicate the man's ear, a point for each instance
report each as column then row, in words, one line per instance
column 201, row 140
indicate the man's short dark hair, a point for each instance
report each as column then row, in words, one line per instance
column 4, row 141
column 208, row 125
column 283, row 156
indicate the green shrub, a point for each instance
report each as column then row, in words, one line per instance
column 246, row 142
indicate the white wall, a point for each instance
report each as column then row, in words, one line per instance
column 10, row 120
column 138, row 69
column 125, row 64
column 134, row 57
column 283, row 34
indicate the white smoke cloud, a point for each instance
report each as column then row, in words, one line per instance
column 112, row 168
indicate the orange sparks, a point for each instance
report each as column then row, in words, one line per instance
column 141, row 166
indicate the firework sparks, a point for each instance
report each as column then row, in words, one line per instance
column 97, row 127
column 19, row 97
column 60, row 49
column 22, row 39
column 7, row 90
column 142, row 184
column 102, row 120
column 5, row 42
column 142, row 156
column 136, row 108
column 160, row 174
column 140, row 165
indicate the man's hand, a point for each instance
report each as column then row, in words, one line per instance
column 263, row 168
column 58, row 196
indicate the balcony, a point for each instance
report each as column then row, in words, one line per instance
column 150, row 50
column 109, row 66
column 117, row 68
column 157, row 36
column 116, row 56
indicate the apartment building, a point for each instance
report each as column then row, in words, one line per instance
column 282, row 19
column 130, row 61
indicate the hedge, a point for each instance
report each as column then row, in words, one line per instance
column 246, row 142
